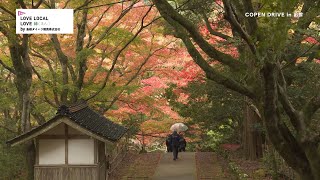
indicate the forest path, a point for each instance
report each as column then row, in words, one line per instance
column 183, row 168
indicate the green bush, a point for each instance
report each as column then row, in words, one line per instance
column 12, row 161
column 218, row 136
column 12, row 164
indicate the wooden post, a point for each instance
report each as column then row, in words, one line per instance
column 37, row 151
column 66, row 143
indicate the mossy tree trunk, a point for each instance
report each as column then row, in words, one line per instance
column 22, row 70
column 251, row 134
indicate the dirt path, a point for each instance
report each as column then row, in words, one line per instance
column 182, row 169
column 160, row 166
column 209, row 167
column 137, row 166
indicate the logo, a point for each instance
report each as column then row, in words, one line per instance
column 20, row 13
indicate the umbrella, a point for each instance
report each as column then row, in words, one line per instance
column 179, row 127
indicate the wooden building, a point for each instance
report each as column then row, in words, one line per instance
column 76, row 144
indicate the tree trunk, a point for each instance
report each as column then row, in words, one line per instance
column 30, row 153
column 314, row 158
column 279, row 134
column 25, row 108
column 252, row 138
column 26, row 126
column 23, row 80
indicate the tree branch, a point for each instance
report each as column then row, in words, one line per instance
column 39, row 117
column 64, row 65
column 167, row 12
column 210, row 72
column 107, row 30
column 131, row 79
column 37, row 5
column 79, row 56
column 101, row 5
column 34, row 53
column 90, row 31
column 252, row 21
column 311, row 107
column 83, row 6
column 12, row 131
column 278, row 133
column 121, row 50
column 66, row 4
column 8, row 11
column 213, row 32
column 231, row 17
column 294, row 115
column 22, row 4
column 7, row 67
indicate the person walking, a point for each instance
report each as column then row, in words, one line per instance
column 182, row 144
column 168, row 143
column 175, row 138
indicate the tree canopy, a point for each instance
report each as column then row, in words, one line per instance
column 148, row 64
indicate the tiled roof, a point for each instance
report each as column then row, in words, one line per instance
column 97, row 124
column 85, row 117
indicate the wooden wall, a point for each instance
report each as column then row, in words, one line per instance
column 66, row 173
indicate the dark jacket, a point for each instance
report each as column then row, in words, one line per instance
column 175, row 139
column 182, row 144
column 168, row 143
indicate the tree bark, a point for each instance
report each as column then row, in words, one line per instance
column 252, row 137
column 23, row 79
column 30, row 153
column 283, row 141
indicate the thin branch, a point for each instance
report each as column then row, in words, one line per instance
column 37, row 5
column 8, row 129
column 66, row 4
column 8, row 11
column 7, row 67
column 293, row 114
column 311, row 107
column 90, row 31
column 290, row 110
column 131, row 79
column 121, row 50
column 107, row 30
column 7, row 20
column 38, row 116
column 151, row 135
column 83, row 6
column 38, row 75
column 46, row 99
column 234, row 22
column 35, row 53
column 253, row 107
column 107, row 4
column 64, row 66
column 44, row 89
column 213, row 32
column 296, row 58
column 247, row 4
column 168, row 12
column 210, row 72
column 22, row 4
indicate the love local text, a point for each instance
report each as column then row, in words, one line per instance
column 36, row 18
column 44, row 21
